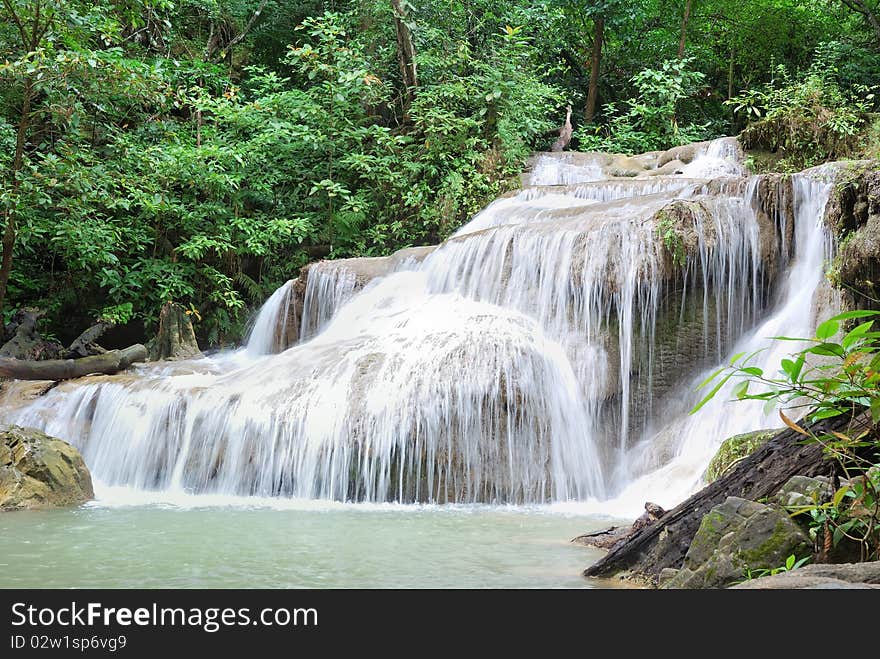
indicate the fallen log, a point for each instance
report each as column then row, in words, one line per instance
column 665, row 542
column 108, row 363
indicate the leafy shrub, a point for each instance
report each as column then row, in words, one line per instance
column 649, row 122
column 828, row 379
column 810, row 119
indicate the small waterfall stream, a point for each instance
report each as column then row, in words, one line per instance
column 546, row 352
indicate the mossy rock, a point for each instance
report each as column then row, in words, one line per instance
column 39, row 471
column 733, row 450
column 736, row 537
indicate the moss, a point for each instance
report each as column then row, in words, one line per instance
column 775, row 548
column 734, row 449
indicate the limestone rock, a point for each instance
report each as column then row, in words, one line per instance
column 735, row 536
column 39, row 471
column 821, row 577
column 734, row 449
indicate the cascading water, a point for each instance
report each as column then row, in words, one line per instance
column 538, row 355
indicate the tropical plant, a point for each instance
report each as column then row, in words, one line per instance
column 827, row 379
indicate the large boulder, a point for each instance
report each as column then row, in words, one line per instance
column 39, row 471
column 737, row 536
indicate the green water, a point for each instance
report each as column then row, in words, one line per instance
column 160, row 546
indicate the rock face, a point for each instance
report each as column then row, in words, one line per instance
column 38, row 471
column 853, row 212
column 821, row 577
column 734, row 449
column 734, row 537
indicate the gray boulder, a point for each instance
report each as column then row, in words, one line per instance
column 736, row 536
column 804, row 491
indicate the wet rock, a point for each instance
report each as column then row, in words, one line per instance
column 39, row 471
column 734, row 449
column 666, row 575
column 853, row 214
column 820, row 577
column 734, row 537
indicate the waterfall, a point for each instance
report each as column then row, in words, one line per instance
column 269, row 331
column 546, row 352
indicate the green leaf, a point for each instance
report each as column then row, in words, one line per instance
column 827, row 350
column 710, row 378
column 741, row 389
column 839, row 495
column 711, row 394
column 858, row 313
column 856, row 333
column 827, row 329
column 826, row 413
column 875, row 409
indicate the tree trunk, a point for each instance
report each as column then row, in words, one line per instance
column 730, row 75
column 861, row 7
column 665, row 542
column 65, row 369
column 406, row 54
column 684, row 27
column 9, row 214
column 595, row 61
column 175, row 338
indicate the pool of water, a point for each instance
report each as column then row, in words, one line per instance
column 208, row 543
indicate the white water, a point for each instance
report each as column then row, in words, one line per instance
column 516, row 363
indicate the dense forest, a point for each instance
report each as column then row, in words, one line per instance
column 201, row 151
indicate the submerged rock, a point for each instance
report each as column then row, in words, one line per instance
column 734, row 537
column 39, row 471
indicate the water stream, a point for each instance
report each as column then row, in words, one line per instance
column 535, row 370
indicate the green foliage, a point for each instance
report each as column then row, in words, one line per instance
column 828, row 378
column 200, row 151
column 791, row 563
column 809, row 119
column 852, row 514
column 673, row 242
column 650, row 122
column 154, row 178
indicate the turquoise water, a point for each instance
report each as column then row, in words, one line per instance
column 306, row 545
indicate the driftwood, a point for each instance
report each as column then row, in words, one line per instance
column 65, row 369
column 86, row 343
column 665, row 542
column 25, row 341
